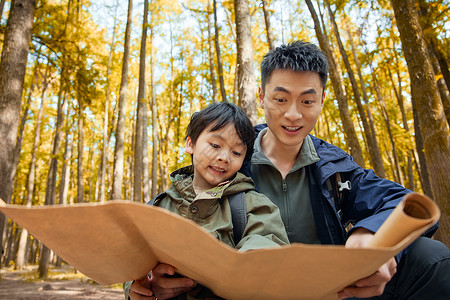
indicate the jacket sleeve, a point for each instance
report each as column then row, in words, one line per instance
column 372, row 199
column 264, row 226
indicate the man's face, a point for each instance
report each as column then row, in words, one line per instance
column 292, row 102
column 217, row 156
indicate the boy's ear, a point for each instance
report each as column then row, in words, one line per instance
column 189, row 145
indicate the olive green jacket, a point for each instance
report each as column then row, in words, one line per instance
column 211, row 210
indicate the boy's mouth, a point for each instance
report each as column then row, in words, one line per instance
column 217, row 169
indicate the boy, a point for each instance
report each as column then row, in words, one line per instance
column 219, row 138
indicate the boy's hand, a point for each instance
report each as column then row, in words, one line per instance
column 141, row 289
column 375, row 283
column 166, row 287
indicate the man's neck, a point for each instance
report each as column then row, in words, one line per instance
column 282, row 156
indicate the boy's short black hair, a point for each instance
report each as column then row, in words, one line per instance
column 221, row 114
column 296, row 56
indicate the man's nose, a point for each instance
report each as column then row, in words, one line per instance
column 293, row 112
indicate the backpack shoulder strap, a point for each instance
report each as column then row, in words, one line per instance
column 158, row 197
column 338, row 190
column 238, row 208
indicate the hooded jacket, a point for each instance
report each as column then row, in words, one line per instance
column 369, row 202
column 211, row 210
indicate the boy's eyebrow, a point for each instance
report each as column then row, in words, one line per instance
column 220, row 136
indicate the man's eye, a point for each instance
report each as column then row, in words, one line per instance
column 214, row 145
column 307, row 101
column 279, row 100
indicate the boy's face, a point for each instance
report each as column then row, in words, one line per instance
column 292, row 102
column 217, row 156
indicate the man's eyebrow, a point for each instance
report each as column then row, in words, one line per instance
column 310, row 91
column 281, row 89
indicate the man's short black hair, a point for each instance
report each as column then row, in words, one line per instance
column 296, row 56
column 221, row 114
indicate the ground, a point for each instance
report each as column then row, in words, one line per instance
column 62, row 283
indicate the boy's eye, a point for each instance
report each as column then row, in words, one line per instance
column 214, row 145
column 236, row 153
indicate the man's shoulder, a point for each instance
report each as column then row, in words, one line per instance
column 326, row 150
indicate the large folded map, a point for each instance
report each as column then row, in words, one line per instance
column 120, row 241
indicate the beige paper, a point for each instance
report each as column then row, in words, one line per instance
column 120, row 241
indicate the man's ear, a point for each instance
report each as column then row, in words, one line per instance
column 323, row 98
column 261, row 97
column 189, row 145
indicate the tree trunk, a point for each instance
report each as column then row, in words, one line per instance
column 120, row 133
column 106, row 114
column 433, row 124
column 141, row 116
column 246, row 75
column 374, row 150
column 212, row 69
column 65, row 174
column 270, row 39
column 80, row 186
column 349, row 129
column 219, row 58
column 20, row 257
column 399, row 96
column 155, row 143
column 50, row 192
column 398, row 173
column 422, row 162
column 367, row 132
column 12, row 73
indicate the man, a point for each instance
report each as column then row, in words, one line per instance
column 295, row 170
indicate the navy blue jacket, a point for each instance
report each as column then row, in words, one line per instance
column 370, row 201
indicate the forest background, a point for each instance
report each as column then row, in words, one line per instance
column 95, row 96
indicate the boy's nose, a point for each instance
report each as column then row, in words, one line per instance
column 223, row 157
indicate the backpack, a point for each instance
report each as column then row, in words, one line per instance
column 238, row 208
column 339, row 191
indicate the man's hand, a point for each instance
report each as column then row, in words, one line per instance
column 165, row 287
column 375, row 283
column 141, row 289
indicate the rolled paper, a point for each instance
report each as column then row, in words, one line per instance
column 414, row 212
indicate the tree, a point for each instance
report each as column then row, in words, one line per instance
column 106, row 114
column 140, row 159
column 372, row 144
column 12, row 73
column 246, row 76
column 20, row 257
column 120, row 131
column 432, row 121
column 351, row 137
column 270, row 39
column 212, row 69
column 219, row 58
column 154, row 190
